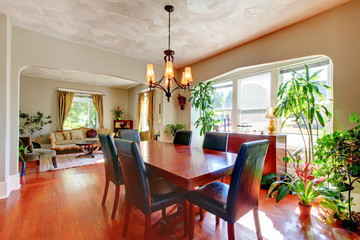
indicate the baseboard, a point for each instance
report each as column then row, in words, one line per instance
column 12, row 183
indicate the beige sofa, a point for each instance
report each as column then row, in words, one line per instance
column 65, row 141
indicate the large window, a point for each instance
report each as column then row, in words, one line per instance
column 254, row 98
column 144, row 124
column 82, row 113
column 291, row 128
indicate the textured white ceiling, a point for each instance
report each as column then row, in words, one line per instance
column 79, row 77
column 138, row 28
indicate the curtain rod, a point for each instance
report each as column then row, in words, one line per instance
column 79, row 91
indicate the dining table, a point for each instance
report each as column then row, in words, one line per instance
column 185, row 166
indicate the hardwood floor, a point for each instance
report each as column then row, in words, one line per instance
column 66, row 204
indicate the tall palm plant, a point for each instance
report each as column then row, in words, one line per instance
column 300, row 97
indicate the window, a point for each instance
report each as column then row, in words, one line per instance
column 223, row 103
column 254, row 99
column 82, row 113
column 144, row 124
column 290, row 128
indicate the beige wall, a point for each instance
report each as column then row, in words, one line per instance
column 334, row 33
column 38, row 94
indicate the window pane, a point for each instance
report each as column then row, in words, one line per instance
column 225, row 118
column 82, row 114
column 144, row 125
column 223, row 95
column 254, row 100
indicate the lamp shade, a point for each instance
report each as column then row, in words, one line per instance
column 270, row 112
column 150, row 74
column 169, row 71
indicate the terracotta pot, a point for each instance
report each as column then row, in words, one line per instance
column 304, row 211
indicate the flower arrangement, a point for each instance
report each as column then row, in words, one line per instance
column 117, row 112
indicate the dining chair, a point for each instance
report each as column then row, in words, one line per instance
column 113, row 171
column 129, row 134
column 216, row 141
column 183, row 137
column 231, row 202
column 147, row 196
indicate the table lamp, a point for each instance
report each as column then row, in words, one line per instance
column 270, row 114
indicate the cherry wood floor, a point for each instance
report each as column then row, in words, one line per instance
column 66, row 204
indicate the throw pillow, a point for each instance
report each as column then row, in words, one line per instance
column 66, row 135
column 91, row 133
column 59, row 136
column 76, row 134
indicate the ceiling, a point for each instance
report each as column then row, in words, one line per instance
column 138, row 28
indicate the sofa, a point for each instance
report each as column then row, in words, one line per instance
column 65, row 141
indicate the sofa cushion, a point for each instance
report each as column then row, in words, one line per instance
column 77, row 134
column 91, row 133
column 66, row 135
column 59, row 136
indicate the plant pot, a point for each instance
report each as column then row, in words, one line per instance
column 304, row 211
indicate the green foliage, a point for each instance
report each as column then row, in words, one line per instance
column 21, row 149
column 301, row 98
column 81, row 114
column 203, row 101
column 30, row 124
column 172, row 128
column 117, row 112
column 267, row 180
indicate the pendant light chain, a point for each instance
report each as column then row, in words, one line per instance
column 169, row 31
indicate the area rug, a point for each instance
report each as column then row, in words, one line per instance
column 70, row 161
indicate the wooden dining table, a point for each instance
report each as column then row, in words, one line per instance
column 186, row 166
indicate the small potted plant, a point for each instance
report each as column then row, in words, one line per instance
column 117, row 113
column 172, row 128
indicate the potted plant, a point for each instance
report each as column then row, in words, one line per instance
column 172, row 128
column 30, row 124
column 117, row 112
column 203, row 101
column 301, row 98
column 337, row 156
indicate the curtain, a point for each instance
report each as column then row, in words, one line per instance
column 150, row 114
column 147, row 106
column 65, row 102
column 99, row 106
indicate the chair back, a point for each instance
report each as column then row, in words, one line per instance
column 135, row 175
column 183, row 137
column 245, row 179
column 129, row 134
column 111, row 162
column 216, row 141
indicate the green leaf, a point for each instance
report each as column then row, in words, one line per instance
column 284, row 190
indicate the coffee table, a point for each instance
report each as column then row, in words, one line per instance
column 88, row 148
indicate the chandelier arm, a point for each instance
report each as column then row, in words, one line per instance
column 176, row 89
column 178, row 83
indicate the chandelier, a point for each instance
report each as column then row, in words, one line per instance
column 169, row 71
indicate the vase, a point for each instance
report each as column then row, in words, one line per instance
column 304, row 211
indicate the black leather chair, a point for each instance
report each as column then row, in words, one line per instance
column 113, row 171
column 232, row 202
column 146, row 195
column 183, row 137
column 129, row 134
column 216, row 141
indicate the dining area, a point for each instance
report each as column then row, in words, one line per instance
column 183, row 182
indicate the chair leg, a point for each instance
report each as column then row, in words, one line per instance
column 53, row 159
column 23, row 168
column 105, row 191
column 257, row 223
column 163, row 212
column 201, row 213
column 116, row 201
column 186, row 217
column 147, row 233
column 38, row 162
column 191, row 221
column 217, row 220
column 127, row 217
column 231, row 235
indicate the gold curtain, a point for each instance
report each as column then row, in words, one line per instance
column 99, row 106
column 150, row 114
column 65, row 102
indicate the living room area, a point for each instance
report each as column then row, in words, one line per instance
column 37, row 67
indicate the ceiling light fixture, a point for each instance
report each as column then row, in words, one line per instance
column 169, row 70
